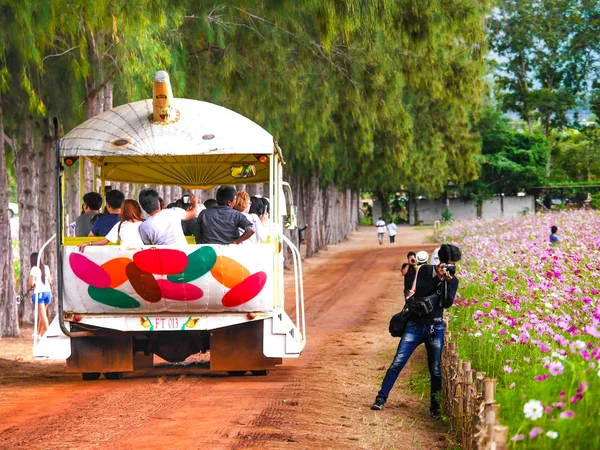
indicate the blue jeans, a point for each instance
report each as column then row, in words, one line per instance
column 414, row 335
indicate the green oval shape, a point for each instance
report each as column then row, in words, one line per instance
column 113, row 297
column 199, row 263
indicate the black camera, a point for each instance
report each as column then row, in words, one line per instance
column 412, row 260
column 451, row 269
column 183, row 203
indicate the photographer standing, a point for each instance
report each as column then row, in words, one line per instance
column 436, row 288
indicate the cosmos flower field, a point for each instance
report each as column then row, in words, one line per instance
column 528, row 314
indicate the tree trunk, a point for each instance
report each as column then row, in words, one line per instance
column 28, row 189
column 9, row 318
column 46, row 204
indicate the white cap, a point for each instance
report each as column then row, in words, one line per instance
column 422, row 257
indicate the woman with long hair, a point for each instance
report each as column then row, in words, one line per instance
column 244, row 204
column 125, row 232
column 41, row 283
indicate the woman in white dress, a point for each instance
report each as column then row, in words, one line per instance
column 125, row 232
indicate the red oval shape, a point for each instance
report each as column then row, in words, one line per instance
column 88, row 271
column 161, row 260
column 143, row 283
column 245, row 291
column 179, row 291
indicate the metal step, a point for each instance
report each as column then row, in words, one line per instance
column 54, row 345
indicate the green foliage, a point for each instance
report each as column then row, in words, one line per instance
column 547, row 54
column 595, row 201
column 576, row 155
column 366, row 95
column 447, row 215
column 511, row 161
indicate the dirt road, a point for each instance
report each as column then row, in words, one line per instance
column 318, row 401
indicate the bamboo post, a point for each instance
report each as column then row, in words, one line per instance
column 500, row 437
column 467, row 386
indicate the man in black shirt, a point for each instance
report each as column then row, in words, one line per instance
column 222, row 224
column 409, row 269
column 428, row 328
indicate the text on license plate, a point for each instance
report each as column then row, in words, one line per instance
column 168, row 323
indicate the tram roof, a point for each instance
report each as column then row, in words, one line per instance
column 202, row 129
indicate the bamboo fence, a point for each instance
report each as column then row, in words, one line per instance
column 469, row 403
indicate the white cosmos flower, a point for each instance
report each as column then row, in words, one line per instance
column 533, row 409
column 552, row 434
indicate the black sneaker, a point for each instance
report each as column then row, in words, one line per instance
column 435, row 415
column 378, row 405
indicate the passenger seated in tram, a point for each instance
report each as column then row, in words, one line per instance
column 125, row 232
column 105, row 223
column 188, row 226
column 243, row 204
column 221, row 224
column 163, row 227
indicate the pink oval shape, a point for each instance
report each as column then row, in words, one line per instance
column 179, row 291
column 245, row 291
column 161, row 260
column 88, row 271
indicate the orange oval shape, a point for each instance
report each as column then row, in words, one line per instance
column 115, row 268
column 143, row 283
column 245, row 291
column 229, row 272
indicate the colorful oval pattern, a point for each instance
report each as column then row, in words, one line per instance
column 229, row 272
column 116, row 270
column 88, row 271
column 112, row 297
column 199, row 263
column 143, row 283
column 179, row 291
column 245, row 291
column 161, row 260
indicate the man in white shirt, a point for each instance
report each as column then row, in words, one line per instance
column 163, row 227
column 380, row 224
column 391, row 229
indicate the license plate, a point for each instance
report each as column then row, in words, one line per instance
column 167, row 323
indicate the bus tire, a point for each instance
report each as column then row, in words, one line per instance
column 259, row 373
column 236, row 373
column 90, row 376
column 113, row 375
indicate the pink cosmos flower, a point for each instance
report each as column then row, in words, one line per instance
column 535, row 432
column 541, row 377
column 508, row 369
column 567, row 414
column 558, row 404
column 556, row 368
column 517, row 437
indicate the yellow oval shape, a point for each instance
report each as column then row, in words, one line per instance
column 229, row 272
column 116, row 270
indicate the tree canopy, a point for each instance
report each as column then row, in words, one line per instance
column 366, row 95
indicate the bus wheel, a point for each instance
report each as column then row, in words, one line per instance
column 90, row 376
column 113, row 375
column 236, row 373
column 260, row 373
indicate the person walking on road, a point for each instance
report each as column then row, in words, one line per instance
column 391, row 230
column 439, row 285
column 380, row 224
column 40, row 281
